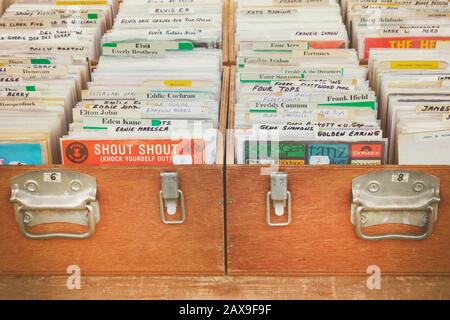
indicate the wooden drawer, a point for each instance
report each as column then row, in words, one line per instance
column 130, row 237
column 321, row 238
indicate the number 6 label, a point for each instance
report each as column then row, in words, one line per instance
column 52, row 177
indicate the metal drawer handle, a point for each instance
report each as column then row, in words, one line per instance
column 281, row 198
column 23, row 227
column 168, row 198
column 429, row 229
column 393, row 197
column 59, row 196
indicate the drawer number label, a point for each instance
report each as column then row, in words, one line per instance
column 52, row 177
column 400, row 177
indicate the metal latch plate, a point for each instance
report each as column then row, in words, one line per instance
column 280, row 198
column 168, row 197
column 58, row 196
column 395, row 197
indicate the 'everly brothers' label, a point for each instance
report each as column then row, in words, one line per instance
column 154, row 49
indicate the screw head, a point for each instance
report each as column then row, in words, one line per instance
column 31, row 186
column 363, row 219
column 27, row 218
column 374, row 187
column 76, row 185
column 419, row 186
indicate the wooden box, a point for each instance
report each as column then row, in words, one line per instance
column 321, row 238
column 130, row 237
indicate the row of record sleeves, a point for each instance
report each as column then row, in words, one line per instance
column 141, row 82
column 362, row 82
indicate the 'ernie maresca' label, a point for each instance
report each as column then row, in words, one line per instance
column 133, row 152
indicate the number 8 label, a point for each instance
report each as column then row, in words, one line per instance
column 400, row 177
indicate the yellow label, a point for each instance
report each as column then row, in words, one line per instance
column 178, row 83
column 80, row 2
column 11, row 60
column 366, row 162
column 415, row 64
column 292, row 162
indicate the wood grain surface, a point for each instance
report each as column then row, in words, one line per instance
column 283, row 288
column 232, row 47
column 321, row 239
column 223, row 116
column 225, row 32
column 130, row 238
column 230, row 152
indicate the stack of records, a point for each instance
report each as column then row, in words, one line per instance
column 46, row 51
column 154, row 96
column 407, row 47
column 301, row 95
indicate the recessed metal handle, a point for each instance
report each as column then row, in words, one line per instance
column 393, row 197
column 91, row 223
column 281, row 198
column 360, row 233
column 168, row 198
column 58, row 196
